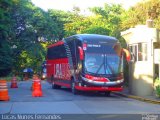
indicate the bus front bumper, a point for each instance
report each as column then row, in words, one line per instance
column 82, row 88
column 103, row 84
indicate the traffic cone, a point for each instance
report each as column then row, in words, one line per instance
column 37, row 91
column 4, row 90
column 14, row 82
column 36, row 87
column 35, row 79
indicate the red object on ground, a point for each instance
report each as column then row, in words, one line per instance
column 37, row 91
column 14, row 82
column 35, row 79
column 4, row 91
column 36, row 87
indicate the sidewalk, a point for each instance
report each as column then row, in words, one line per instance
column 150, row 99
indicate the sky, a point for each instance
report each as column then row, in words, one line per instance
column 67, row 5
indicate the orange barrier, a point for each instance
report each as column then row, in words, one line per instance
column 35, row 79
column 36, row 87
column 4, row 90
column 128, row 56
column 14, row 82
column 37, row 91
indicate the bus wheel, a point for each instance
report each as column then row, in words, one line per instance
column 73, row 89
column 54, row 86
column 107, row 93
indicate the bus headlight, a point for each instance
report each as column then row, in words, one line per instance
column 119, row 81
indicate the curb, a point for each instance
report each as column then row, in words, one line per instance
column 138, row 98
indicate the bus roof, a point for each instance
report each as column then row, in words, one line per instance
column 95, row 37
column 87, row 37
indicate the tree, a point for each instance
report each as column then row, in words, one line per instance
column 60, row 18
column 25, row 26
column 111, row 14
column 139, row 13
column 89, row 24
column 106, row 21
column 24, row 30
column 5, row 32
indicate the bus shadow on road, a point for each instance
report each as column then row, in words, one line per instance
column 88, row 93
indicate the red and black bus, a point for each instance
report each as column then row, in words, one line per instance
column 86, row 62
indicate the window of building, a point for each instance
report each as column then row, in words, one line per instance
column 138, row 51
column 133, row 51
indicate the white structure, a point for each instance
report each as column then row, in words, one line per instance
column 144, row 45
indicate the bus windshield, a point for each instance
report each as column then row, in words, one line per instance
column 102, row 60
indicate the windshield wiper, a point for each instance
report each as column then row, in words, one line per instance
column 100, row 66
column 109, row 69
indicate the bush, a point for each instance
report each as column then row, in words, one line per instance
column 157, row 87
column 158, row 91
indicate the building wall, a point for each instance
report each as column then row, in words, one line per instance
column 141, row 78
column 141, row 73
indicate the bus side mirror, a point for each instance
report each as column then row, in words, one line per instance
column 128, row 56
column 81, row 53
column 118, row 49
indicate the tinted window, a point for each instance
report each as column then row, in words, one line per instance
column 100, row 48
column 102, row 63
column 56, row 52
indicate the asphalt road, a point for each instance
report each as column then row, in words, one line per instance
column 94, row 106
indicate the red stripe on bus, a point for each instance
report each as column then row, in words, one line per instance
column 98, row 88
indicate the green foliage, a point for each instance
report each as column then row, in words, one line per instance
column 6, row 59
column 23, row 25
column 76, row 25
column 90, row 25
column 139, row 13
column 60, row 18
column 111, row 16
column 28, row 27
column 158, row 91
column 96, row 30
column 106, row 21
column 157, row 87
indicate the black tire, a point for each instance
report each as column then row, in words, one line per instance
column 107, row 93
column 73, row 89
column 54, row 86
